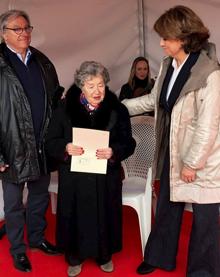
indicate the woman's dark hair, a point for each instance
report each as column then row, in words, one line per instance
column 182, row 23
column 131, row 79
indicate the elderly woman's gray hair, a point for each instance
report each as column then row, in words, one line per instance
column 88, row 70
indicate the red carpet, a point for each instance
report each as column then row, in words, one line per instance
column 125, row 262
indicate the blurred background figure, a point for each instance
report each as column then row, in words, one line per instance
column 139, row 82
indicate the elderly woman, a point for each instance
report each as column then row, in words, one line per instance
column 139, row 81
column 89, row 212
column 186, row 99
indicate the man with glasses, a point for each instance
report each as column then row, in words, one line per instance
column 28, row 87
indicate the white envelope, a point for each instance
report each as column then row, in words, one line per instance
column 90, row 140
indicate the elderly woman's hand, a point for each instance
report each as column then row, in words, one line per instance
column 187, row 174
column 74, row 150
column 104, row 153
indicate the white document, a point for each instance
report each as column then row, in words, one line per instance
column 90, row 140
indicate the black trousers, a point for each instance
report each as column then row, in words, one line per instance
column 33, row 213
column 204, row 247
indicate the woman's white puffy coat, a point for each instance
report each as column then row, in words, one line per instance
column 194, row 129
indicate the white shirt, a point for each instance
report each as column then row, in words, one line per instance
column 27, row 57
column 176, row 71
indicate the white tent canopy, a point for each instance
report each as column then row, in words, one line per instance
column 113, row 32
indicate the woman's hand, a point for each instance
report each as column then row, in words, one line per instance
column 187, row 174
column 3, row 167
column 104, row 153
column 74, row 150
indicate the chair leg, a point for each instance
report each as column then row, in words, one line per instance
column 144, row 216
column 142, row 233
column 53, row 197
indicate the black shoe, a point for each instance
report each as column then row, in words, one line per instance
column 145, row 268
column 21, row 262
column 47, row 248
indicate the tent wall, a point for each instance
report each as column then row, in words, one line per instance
column 72, row 31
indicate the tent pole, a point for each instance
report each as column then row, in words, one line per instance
column 141, row 27
column 11, row 5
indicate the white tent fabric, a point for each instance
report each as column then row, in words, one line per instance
column 71, row 31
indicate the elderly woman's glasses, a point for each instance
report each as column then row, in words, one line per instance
column 19, row 31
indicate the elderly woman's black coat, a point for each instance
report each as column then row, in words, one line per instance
column 89, row 212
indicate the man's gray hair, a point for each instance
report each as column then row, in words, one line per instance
column 4, row 17
column 88, row 70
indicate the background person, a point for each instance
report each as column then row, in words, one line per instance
column 29, row 84
column 186, row 98
column 139, row 81
column 89, row 210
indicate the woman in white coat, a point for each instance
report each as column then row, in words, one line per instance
column 186, row 99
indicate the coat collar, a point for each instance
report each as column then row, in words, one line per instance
column 79, row 115
column 205, row 65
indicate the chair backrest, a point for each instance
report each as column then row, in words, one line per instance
column 137, row 165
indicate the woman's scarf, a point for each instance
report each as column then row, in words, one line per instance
column 86, row 104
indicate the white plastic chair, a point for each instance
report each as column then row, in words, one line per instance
column 137, row 184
